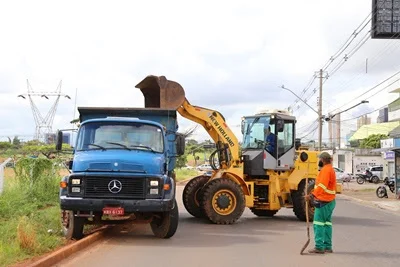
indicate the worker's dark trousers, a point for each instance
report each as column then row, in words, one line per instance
column 323, row 226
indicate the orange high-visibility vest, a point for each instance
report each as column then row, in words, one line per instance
column 325, row 185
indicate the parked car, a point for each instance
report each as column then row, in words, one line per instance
column 188, row 167
column 342, row 176
column 376, row 171
column 204, row 167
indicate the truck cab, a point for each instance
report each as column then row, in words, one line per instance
column 122, row 170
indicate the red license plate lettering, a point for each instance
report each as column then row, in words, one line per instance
column 113, row 211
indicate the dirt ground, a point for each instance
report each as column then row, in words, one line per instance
column 366, row 191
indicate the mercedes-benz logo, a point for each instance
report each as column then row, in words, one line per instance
column 114, row 186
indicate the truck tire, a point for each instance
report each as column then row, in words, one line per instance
column 299, row 202
column 191, row 196
column 263, row 213
column 72, row 226
column 223, row 201
column 166, row 224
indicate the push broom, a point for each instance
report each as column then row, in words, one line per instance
column 307, row 219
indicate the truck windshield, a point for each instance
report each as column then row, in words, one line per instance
column 254, row 131
column 120, row 135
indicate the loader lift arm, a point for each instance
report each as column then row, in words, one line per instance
column 162, row 93
column 159, row 92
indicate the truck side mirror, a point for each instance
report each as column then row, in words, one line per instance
column 59, row 140
column 180, row 144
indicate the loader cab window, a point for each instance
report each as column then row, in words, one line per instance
column 285, row 137
column 253, row 129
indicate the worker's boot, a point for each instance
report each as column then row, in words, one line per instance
column 316, row 251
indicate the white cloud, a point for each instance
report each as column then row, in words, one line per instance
column 228, row 55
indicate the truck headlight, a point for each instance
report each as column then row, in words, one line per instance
column 153, row 191
column 76, row 181
column 75, row 189
column 153, row 183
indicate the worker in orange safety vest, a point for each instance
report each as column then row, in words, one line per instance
column 323, row 199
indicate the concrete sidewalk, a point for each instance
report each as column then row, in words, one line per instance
column 366, row 194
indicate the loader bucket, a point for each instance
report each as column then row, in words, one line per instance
column 159, row 92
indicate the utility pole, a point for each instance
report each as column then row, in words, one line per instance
column 320, row 111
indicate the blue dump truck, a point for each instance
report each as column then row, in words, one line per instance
column 122, row 170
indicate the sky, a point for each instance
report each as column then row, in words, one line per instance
column 231, row 56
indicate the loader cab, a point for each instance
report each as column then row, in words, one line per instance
column 268, row 142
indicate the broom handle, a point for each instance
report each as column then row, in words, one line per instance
column 307, row 219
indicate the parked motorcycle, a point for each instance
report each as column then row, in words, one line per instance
column 381, row 191
column 367, row 176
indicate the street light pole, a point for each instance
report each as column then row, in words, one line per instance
column 320, row 111
column 321, row 117
column 283, row 87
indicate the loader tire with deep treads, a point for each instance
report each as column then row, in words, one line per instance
column 223, row 201
column 191, row 196
column 299, row 202
column 263, row 213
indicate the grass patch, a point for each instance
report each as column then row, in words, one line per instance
column 183, row 174
column 29, row 213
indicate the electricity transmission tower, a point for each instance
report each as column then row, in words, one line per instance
column 43, row 124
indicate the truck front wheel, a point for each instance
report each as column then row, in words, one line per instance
column 72, row 226
column 164, row 225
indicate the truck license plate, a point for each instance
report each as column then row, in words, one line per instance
column 113, row 211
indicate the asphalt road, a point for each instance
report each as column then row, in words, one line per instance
column 363, row 236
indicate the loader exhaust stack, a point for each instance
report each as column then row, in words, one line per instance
column 161, row 93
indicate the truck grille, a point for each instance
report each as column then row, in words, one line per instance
column 131, row 187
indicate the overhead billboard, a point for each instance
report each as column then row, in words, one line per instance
column 385, row 23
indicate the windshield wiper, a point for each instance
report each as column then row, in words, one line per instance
column 118, row 144
column 99, row 146
column 147, row 147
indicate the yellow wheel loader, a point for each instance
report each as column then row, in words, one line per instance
column 264, row 173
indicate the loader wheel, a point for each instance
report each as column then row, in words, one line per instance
column 192, row 196
column 299, row 202
column 223, row 201
column 263, row 213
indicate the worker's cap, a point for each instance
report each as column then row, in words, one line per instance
column 325, row 155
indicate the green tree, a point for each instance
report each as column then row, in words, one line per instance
column 373, row 141
column 181, row 161
column 5, row 145
column 16, row 142
column 355, row 143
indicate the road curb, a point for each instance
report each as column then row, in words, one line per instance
column 61, row 254
column 383, row 206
